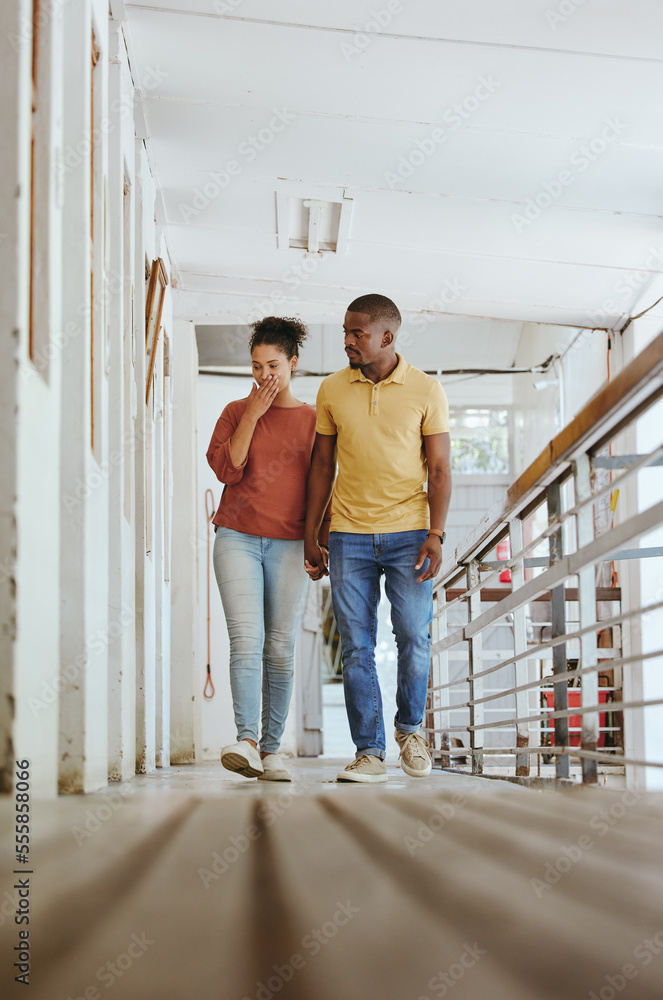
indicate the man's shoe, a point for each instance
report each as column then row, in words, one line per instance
column 364, row 768
column 275, row 769
column 415, row 758
column 242, row 758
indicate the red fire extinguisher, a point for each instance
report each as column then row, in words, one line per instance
column 504, row 552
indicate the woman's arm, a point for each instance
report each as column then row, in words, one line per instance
column 258, row 402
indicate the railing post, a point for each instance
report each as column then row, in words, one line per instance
column 475, row 653
column 558, row 609
column 440, row 675
column 521, row 675
column 589, row 685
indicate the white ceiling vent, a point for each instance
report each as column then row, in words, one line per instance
column 312, row 224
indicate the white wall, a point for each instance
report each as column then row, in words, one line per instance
column 77, row 430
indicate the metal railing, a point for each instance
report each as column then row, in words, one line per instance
column 569, row 682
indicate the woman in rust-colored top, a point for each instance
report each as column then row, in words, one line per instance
column 261, row 449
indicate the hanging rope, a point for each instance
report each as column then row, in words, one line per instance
column 209, row 682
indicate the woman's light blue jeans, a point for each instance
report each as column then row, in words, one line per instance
column 262, row 585
column 356, row 563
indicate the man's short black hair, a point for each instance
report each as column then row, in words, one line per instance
column 377, row 307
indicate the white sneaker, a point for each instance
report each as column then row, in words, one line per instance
column 275, row 769
column 415, row 755
column 364, row 768
column 242, row 758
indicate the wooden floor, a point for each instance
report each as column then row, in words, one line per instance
column 200, row 884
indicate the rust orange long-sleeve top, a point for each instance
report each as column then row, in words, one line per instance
column 266, row 495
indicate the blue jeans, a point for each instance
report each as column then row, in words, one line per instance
column 356, row 563
column 262, row 585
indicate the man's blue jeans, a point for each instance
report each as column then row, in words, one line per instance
column 356, row 563
column 262, row 585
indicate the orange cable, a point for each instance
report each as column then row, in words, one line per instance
column 209, row 682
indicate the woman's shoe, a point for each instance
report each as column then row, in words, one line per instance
column 242, row 758
column 274, row 769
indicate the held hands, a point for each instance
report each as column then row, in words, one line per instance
column 316, row 561
column 431, row 550
column 260, row 399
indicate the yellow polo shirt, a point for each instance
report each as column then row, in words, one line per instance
column 380, row 428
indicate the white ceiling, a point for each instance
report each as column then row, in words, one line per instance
column 224, row 66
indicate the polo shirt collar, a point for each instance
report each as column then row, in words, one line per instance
column 398, row 374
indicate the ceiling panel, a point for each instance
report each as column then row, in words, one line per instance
column 244, row 98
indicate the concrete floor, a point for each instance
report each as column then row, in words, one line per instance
column 194, row 882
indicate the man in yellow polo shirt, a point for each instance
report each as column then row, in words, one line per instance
column 387, row 425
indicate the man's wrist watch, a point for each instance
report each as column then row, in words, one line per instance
column 440, row 534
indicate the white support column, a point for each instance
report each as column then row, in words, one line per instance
column 121, row 542
column 83, row 763
column 521, row 673
column 185, row 694
column 475, row 665
column 15, row 125
column 587, row 605
column 440, row 675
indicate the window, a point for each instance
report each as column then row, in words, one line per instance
column 479, row 441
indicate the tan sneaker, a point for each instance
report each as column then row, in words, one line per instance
column 415, row 757
column 242, row 758
column 364, row 768
column 275, row 769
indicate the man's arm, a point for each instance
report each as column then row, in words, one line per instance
column 438, row 459
column 320, row 485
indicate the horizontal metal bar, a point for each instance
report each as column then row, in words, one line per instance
column 438, row 646
column 537, row 561
column 550, row 679
column 601, row 756
column 589, row 555
column 615, row 706
column 452, row 572
column 619, row 461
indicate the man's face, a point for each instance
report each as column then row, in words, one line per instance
column 363, row 339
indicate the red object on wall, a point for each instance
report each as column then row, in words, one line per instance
column 575, row 721
column 503, row 551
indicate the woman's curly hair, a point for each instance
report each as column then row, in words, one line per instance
column 288, row 334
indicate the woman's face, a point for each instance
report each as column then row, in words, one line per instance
column 269, row 360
